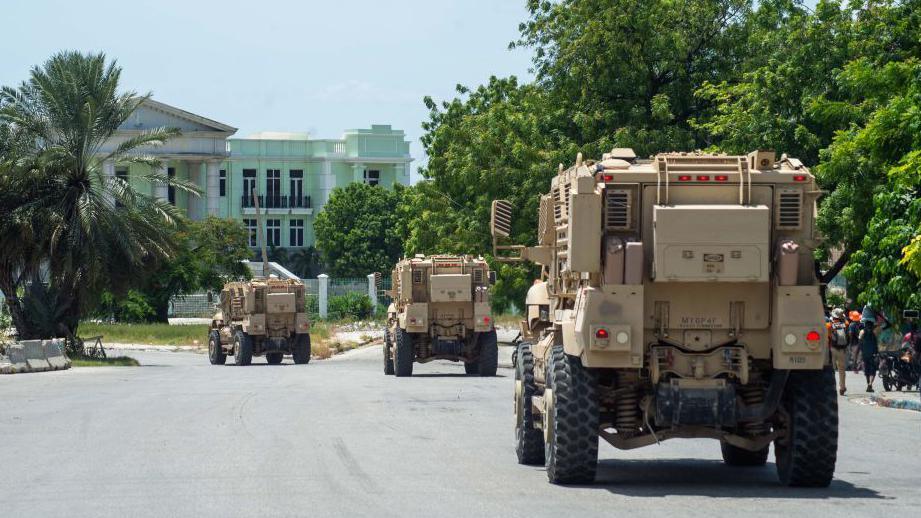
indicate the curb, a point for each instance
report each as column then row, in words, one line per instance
column 903, row 404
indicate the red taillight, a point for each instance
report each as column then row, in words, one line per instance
column 799, row 178
column 703, row 178
column 609, row 177
column 813, row 336
column 684, row 178
column 601, row 334
column 485, row 320
column 721, row 178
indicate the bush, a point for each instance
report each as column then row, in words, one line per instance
column 351, row 305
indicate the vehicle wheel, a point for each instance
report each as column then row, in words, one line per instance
column 489, row 353
column 806, row 456
column 242, row 348
column 530, row 440
column 404, row 354
column 887, row 385
column 735, row 456
column 274, row 358
column 472, row 368
column 571, row 423
column 301, row 352
column 215, row 352
column 388, row 354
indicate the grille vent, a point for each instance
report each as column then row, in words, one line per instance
column 789, row 209
column 478, row 276
column 618, row 211
column 417, row 276
column 557, row 205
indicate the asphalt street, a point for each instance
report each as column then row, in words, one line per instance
column 178, row 437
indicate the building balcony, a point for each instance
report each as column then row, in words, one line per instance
column 291, row 203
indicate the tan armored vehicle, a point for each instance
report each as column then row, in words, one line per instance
column 261, row 317
column 441, row 311
column 682, row 304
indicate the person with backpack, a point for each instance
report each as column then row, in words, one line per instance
column 838, row 346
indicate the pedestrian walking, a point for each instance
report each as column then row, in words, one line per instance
column 838, row 346
column 869, row 348
column 853, row 335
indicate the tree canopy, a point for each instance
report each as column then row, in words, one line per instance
column 357, row 230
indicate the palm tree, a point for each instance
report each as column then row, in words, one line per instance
column 64, row 222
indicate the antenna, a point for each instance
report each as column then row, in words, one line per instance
column 260, row 232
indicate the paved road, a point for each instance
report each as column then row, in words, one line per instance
column 178, row 437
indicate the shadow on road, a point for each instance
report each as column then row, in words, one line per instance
column 451, row 375
column 712, row 478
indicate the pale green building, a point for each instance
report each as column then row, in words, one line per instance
column 291, row 173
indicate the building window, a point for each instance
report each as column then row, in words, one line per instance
column 273, row 188
column 273, row 232
column 222, row 182
column 250, row 225
column 249, row 187
column 296, row 190
column 372, row 176
column 121, row 174
column 297, row 232
column 170, row 189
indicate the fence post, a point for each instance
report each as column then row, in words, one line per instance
column 323, row 293
column 372, row 290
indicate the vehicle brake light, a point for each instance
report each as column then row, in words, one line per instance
column 684, row 178
column 485, row 320
column 703, row 178
column 601, row 334
column 813, row 336
column 799, row 178
column 609, row 177
column 721, row 178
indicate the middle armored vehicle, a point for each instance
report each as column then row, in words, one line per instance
column 441, row 311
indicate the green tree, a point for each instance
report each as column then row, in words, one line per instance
column 622, row 73
column 356, row 230
column 64, row 224
column 209, row 255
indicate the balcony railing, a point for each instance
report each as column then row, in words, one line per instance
column 276, row 202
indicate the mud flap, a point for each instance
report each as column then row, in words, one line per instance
column 680, row 403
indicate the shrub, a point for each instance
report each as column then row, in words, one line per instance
column 351, row 305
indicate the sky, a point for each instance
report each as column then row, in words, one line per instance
column 280, row 65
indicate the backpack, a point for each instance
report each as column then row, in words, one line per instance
column 839, row 335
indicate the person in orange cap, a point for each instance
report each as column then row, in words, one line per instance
column 853, row 334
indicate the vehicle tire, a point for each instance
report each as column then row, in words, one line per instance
column 806, row 456
column 274, row 358
column 529, row 440
column 404, row 355
column 489, row 353
column 215, row 352
column 301, row 352
column 388, row 354
column 887, row 386
column 242, row 348
column 571, row 425
column 472, row 368
column 735, row 456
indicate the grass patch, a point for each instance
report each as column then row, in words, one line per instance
column 507, row 320
column 118, row 361
column 151, row 334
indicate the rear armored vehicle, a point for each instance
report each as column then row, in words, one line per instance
column 441, row 311
column 681, row 302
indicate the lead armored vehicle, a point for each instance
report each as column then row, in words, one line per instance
column 264, row 316
column 441, row 311
column 683, row 303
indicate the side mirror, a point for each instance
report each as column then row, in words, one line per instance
column 492, row 277
column 500, row 224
